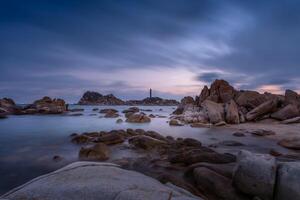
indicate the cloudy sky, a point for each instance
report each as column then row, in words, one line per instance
column 62, row 48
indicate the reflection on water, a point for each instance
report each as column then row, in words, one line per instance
column 28, row 143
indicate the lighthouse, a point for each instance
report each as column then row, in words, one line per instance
column 150, row 93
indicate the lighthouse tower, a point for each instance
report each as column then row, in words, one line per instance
column 150, row 93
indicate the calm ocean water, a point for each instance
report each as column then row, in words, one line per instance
column 28, row 143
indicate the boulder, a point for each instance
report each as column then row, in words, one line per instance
column 255, row 174
column 292, row 97
column 187, row 100
column 174, row 122
column 8, row 106
column 97, row 152
column 108, row 110
column 131, row 110
column 215, row 184
column 250, row 99
column 292, row 120
column 81, row 139
column 96, row 181
column 287, row 112
column 290, row 143
column 46, row 105
column 145, row 142
column 214, row 111
column 263, row 109
column 111, row 115
column 138, row 118
column 262, row 132
column 288, row 184
column 110, row 138
column 203, row 95
column 119, row 121
column 232, row 113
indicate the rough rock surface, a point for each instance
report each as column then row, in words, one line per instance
column 97, row 152
column 145, row 142
column 174, row 122
column 250, row 99
column 95, row 98
column 8, row 106
column 138, row 118
column 232, row 113
column 255, row 174
column 101, row 181
column 265, row 108
column 290, row 143
column 287, row 112
column 214, row 111
column 288, row 181
column 292, row 120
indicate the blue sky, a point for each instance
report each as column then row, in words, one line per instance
column 62, row 48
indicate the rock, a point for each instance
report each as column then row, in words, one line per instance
column 95, row 98
column 110, row 138
column 287, row 112
column 203, row 95
column 179, row 110
column 221, row 123
column 95, row 109
column 238, row 134
column 81, row 139
column 250, row 99
column 214, row 111
column 131, row 110
column 255, row 174
column 152, row 116
column 96, row 181
column 145, row 142
column 292, row 97
column 287, row 185
column 190, row 142
column 290, row 143
column 108, row 110
column 292, row 120
column 201, row 125
column 262, row 132
column 8, row 106
column 138, row 118
column 153, row 134
column 75, row 114
column 119, row 121
column 111, row 115
column 265, row 108
column 232, row 113
column 97, row 152
column 187, row 100
column 174, row 122
column 221, row 92
column 46, row 105
column 215, row 184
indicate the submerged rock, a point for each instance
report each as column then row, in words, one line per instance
column 119, row 121
column 174, row 122
column 95, row 98
column 97, row 152
column 138, row 118
column 145, row 142
column 262, row 132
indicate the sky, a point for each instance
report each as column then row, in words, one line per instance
column 61, row 48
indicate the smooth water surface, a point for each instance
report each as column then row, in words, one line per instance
column 29, row 142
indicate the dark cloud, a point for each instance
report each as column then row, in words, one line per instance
column 249, row 43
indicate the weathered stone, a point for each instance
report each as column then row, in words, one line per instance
column 221, row 92
column 214, row 111
column 174, row 122
column 81, row 139
column 288, row 184
column 215, row 184
column 204, row 94
column 110, row 138
column 119, row 121
column 250, row 99
column 290, row 143
column 255, row 174
column 292, row 97
column 262, row 132
column 287, row 112
column 145, row 142
column 97, row 152
column 96, row 181
column 265, row 108
column 95, row 98
column 138, row 118
column 292, row 120
column 232, row 113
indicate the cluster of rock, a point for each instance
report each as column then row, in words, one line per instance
column 153, row 101
column 46, row 105
column 95, row 98
column 200, row 170
column 221, row 104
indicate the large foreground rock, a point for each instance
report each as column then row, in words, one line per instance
column 288, row 181
column 232, row 113
column 255, row 174
column 265, row 108
column 99, row 181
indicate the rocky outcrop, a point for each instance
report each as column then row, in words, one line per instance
column 291, row 97
column 232, row 113
column 94, row 180
column 153, row 101
column 287, row 112
column 250, row 99
column 46, row 105
column 95, row 98
column 214, row 111
column 138, row 118
column 185, row 102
